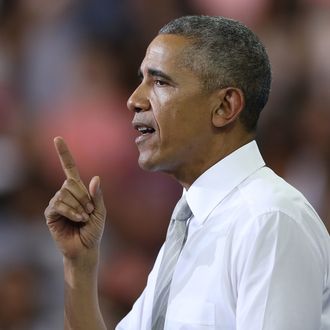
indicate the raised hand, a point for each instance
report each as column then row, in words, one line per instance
column 75, row 215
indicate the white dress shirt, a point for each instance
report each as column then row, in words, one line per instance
column 257, row 256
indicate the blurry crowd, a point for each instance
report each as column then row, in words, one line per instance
column 67, row 68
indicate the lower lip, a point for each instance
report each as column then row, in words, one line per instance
column 144, row 137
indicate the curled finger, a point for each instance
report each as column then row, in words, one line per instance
column 80, row 193
column 59, row 209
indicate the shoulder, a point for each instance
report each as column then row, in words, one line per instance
column 265, row 192
column 265, row 208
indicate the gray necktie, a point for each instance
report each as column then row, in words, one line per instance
column 175, row 239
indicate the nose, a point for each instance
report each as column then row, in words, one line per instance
column 138, row 101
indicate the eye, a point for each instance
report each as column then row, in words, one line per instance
column 159, row 82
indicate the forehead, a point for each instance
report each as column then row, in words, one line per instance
column 167, row 50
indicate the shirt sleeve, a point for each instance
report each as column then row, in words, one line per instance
column 279, row 276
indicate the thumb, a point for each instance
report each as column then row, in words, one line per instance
column 96, row 193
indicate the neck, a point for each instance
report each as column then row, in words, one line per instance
column 190, row 172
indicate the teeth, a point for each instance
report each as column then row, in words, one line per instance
column 145, row 130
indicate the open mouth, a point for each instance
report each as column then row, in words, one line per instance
column 143, row 127
column 145, row 130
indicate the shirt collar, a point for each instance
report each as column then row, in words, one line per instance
column 220, row 179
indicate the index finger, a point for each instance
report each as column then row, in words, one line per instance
column 68, row 164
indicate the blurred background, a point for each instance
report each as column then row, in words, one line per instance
column 67, row 68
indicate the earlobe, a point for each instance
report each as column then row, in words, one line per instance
column 231, row 104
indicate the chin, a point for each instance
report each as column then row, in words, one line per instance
column 147, row 164
column 152, row 164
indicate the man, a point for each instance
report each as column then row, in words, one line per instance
column 251, row 252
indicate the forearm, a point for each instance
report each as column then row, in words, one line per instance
column 81, row 295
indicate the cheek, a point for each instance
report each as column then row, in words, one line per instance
column 179, row 114
column 164, row 111
column 162, row 98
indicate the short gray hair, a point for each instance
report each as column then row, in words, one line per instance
column 225, row 53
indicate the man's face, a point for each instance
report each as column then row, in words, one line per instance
column 172, row 110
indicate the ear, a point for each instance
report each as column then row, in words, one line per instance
column 230, row 103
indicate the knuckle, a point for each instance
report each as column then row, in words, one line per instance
column 51, row 202
column 73, row 186
column 66, row 184
column 85, row 199
column 59, row 195
column 57, row 204
column 79, row 209
column 72, row 181
column 69, row 184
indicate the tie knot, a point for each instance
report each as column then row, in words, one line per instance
column 182, row 210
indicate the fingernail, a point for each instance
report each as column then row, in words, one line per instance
column 85, row 216
column 90, row 207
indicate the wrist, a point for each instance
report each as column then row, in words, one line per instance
column 81, row 269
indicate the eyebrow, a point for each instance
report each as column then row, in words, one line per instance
column 155, row 73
